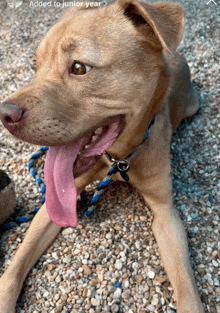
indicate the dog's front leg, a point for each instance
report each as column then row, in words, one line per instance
column 172, row 242
column 39, row 236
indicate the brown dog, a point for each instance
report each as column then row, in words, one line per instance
column 112, row 67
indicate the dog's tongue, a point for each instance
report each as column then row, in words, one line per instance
column 61, row 193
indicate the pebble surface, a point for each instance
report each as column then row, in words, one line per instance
column 106, row 264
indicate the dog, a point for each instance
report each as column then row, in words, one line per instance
column 111, row 69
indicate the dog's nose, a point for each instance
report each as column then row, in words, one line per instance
column 10, row 113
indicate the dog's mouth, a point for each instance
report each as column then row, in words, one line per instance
column 66, row 162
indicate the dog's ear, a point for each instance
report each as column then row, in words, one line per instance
column 162, row 23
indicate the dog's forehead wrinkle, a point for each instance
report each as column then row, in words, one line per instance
column 68, row 44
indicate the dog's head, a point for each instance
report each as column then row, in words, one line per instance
column 96, row 65
column 101, row 75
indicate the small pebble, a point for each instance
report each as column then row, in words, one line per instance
column 151, row 274
column 117, row 293
column 86, row 269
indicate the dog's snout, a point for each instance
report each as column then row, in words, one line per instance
column 10, row 113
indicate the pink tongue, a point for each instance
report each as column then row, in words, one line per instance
column 61, row 193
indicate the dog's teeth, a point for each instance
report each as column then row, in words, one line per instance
column 94, row 138
column 98, row 131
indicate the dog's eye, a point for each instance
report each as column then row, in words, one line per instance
column 80, row 69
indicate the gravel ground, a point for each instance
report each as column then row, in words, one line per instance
column 105, row 264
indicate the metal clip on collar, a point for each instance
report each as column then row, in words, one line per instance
column 122, row 166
